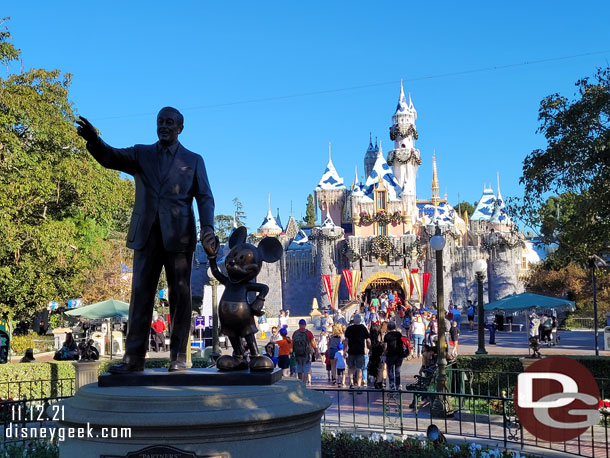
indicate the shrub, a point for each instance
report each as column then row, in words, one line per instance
column 32, row 449
column 42, row 380
column 495, row 373
column 387, row 446
column 19, row 344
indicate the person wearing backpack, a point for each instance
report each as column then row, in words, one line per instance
column 304, row 346
column 394, row 353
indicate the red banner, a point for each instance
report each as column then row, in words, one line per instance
column 411, row 284
column 425, row 283
column 329, row 292
column 347, row 275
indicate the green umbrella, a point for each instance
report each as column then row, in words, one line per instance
column 106, row 309
column 526, row 301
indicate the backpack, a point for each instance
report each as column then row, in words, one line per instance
column 333, row 346
column 300, row 344
column 406, row 347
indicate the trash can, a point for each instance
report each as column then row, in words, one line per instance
column 607, row 338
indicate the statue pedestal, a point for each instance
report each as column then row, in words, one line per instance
column 195, row 421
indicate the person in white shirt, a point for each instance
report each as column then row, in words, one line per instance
column 282, row 321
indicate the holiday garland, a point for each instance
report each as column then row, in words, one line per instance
column 400, row 130
column 502, row 242
column 322, row 236
column 380, row 217
column 381, row 246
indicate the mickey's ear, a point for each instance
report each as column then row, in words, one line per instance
column 238, row 236
column 271, row 249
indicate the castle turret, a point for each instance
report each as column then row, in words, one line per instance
column 370, row 156
column 269, row 226
column 405, row 158
column 331, row 191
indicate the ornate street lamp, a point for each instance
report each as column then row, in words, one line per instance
column 441, row 405
column 480, row 267
column 215, row 340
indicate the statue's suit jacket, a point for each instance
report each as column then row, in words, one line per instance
column 166, row 194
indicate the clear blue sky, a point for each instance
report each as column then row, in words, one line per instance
column 206, row 58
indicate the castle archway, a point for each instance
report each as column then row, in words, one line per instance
column 382, row 281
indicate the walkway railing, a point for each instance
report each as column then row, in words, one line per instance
column 28, row 404
column 490, row 418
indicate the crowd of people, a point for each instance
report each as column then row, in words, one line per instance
column 542, row 330
column 369, row 349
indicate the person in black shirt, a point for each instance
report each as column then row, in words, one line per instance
column 356, row 337
column 394, row 354
column 454, row 334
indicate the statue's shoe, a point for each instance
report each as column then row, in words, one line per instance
column 261, row 364
column 125, row 368
column 231, row 363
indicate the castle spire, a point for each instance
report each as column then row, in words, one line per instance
column 435, row 196
column 402, row 100
column 500, row 200
column 329, row 159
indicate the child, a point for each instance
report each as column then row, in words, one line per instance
column 328, row 365
column 339, row 357
column 293, row 364
column 284, row 350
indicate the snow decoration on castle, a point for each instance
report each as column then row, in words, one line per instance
column 485, row 207
column 380, row 217
column 382, row 171
column 403, row 131
column 330, row 179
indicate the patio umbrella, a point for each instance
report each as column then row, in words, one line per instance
column 526, row 301
column 106, row 309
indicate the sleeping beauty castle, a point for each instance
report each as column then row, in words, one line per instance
column 375, row 235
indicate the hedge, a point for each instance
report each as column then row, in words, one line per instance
column 502, row 370
column 49, row 379
column 344, row 445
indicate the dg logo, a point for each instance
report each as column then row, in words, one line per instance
column 556, row 399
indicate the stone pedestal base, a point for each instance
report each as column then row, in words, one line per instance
column 206, row 421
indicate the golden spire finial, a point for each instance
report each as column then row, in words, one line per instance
column 435, row 195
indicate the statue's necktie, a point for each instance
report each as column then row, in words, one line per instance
column 165, row 160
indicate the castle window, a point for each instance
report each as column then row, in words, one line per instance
column 381, row 200
column 382, row 229
column 524, row 262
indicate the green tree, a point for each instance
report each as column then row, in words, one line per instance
column 310, row 212
column 223, row 224
column 240, row 215
column 462, row 207
column 58, row 205
column 575, row 166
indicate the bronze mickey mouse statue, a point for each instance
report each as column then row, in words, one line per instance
column 236, row 313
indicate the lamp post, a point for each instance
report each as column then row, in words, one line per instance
column 595, row 262
column 441, row 405
column 480, row 266
column 215, row 341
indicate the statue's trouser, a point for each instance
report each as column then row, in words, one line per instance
column 147, row 264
